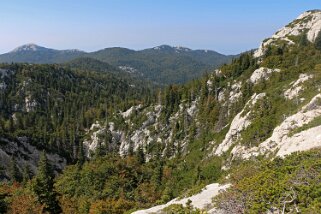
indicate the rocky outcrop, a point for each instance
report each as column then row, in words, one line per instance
column 235, row 92
column 262, row 74
column 202, row 200
column 97, row 137
column 296, row 87
column 25, row 154
column 239, row 123
column 4, row 74
column 130, row 111
column 143, row 133
column 280, row 142
column 309, row 23
column 30, row 104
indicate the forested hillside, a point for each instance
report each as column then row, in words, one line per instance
column 50, row 107
column 123, row 148
column 32, row 53
column 162, row 65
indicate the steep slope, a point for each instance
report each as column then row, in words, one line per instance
column 308, row 23
column 47, row 107
column 301, row 95
column 224, row 126
column 262, row 105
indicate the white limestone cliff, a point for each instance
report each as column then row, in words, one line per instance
column 262, row 74
column 296, row 87
column 281, row 142
column 309, row 22
column 239, row 123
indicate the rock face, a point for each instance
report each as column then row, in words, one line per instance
column 262, row 74
column 130, row 111
column 309, row 22
column 4, row 75
column 97, row 137
column 144, row 133
column 281, row 141
column 25, row 155
column 141, row 136
column 235, row 92
column 30, row 104
column 239, row 123
column 296, row 87
column 228, row 94
column 202, row 200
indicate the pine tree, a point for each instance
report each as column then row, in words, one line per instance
column 108, row 140
column 3, row 204
column 81, row 154
column 158, row 174
column 14, row 172
column 140, row 155
column 26, row 174
column 43, row 186
column 130, row 151
column 303, row 40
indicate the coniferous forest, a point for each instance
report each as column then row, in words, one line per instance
column 164, row 130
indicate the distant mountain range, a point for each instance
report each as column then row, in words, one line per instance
column 118, row 146
column 32, row 53
column 162, row 64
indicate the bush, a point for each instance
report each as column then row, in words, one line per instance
column 292, row 183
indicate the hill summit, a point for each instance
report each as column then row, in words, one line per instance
column 28, row 47
column 308, row 23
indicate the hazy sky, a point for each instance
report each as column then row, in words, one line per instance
column 227, row 26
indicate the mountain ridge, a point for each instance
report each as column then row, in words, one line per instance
column 249, row 124
column 162, row 65
column 35, row 46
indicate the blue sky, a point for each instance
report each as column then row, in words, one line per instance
column 227, row 26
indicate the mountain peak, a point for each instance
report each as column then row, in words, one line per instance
column 28, row 47
column 309, row 23
column 181, row 48
column 162, row 47
column 171, row 48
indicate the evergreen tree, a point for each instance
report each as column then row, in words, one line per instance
column 140, row 155
column 303, row 40
column 167, row 194
column 26, row 174
column 43, row 186
column 14, row 172
column 108, row 140
column 130, row 151
column 158, row 174
column 3, row 204
column 81, row 155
